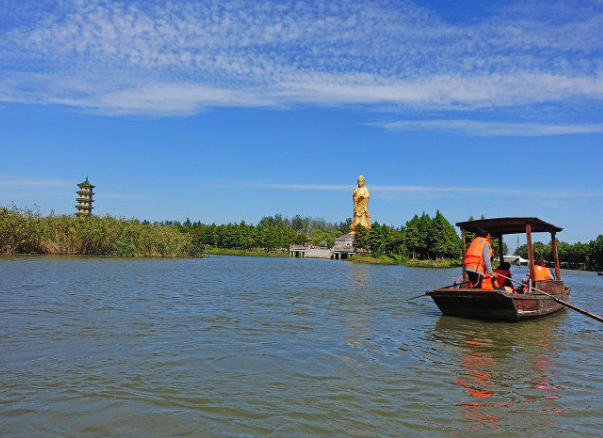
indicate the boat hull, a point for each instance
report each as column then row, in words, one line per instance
column 496, row 304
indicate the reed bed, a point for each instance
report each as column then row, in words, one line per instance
column 25, row 231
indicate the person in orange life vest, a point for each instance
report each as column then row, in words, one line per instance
column 541, row 272
column 504, row 269
column 478, row 258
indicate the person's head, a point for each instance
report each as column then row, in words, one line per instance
column 480, row 232
column 540, row 262
column 361, row 181
column 505, row 266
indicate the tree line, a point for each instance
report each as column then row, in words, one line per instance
column 271, row 232
column 422, row 237
column 578, row 255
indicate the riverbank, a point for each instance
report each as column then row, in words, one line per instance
column 444, row 263
column 400, row 260
column 370, row 259
column 244, row 252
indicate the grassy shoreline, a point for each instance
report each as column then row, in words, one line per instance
column 444, row 263
column 358, row 258
column 400, row 260
column 243, row 252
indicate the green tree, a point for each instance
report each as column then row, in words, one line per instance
column 361, row 237
column 412, row 237
column 596, row 253
column 375, row 239
column 443, row 240
column 522, row 251
column 424, row 227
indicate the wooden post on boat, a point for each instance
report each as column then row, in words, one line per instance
column 556, row 255
column 464, row 252
column 501, row 253
column 530, row 255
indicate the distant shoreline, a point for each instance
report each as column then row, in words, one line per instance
column 244, row 252
column 358, row 258
column 368, row 259
column 399, row 260
column 26, row 231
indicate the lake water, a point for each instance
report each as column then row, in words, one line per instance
column 244, row 347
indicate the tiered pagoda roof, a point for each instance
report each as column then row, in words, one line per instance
column 86, row 184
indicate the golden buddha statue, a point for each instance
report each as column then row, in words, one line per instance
column 361, row 214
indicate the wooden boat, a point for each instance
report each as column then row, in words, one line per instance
column 499, row 304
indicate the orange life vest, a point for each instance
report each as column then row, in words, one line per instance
column 487, row 283
column 501, row 280
column 474, row 259
column 541, row 273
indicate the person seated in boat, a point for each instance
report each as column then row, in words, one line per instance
column 541, row 273
column 477, row 260
column 504, row 270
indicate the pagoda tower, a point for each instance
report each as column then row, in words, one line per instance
column 84, row 199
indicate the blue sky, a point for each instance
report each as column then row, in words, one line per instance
column 229, row 110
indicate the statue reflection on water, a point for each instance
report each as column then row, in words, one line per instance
column 506, row 372
column 356, row 301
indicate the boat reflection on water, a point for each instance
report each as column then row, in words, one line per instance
column 478, row 379
column 506, row 372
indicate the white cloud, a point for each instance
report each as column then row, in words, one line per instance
column 28, row 195
column 125, row 196
column 8, row 182
column 490, row 129
column 430, row 93
column 433, row 191
column 319, row 187
column 118, row 57
column 25, row 185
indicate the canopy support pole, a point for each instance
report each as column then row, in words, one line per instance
column 530, row 253
column 556, row 255
column 464, row 252
column 501, row 253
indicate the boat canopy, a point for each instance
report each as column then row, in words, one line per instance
column 508, row 225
